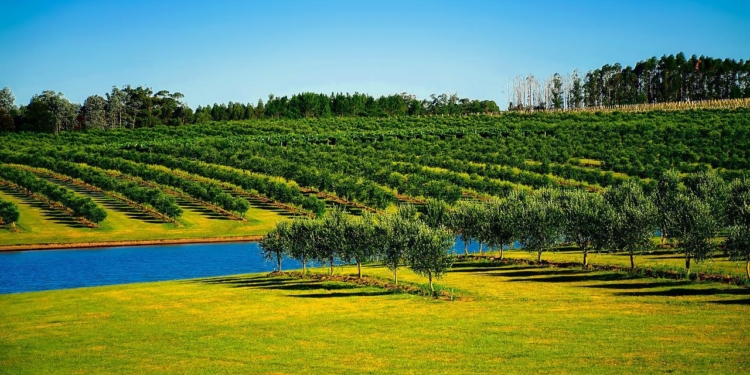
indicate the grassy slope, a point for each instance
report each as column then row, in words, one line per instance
column 518, row 320
column 124, row 224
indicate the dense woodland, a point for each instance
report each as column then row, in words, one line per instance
column 673, row 78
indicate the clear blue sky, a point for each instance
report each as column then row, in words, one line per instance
column 221, row 51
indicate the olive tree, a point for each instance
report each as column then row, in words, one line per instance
column 695, row 227
column 360, row 236
column 583, row 218
column 437, row 213
column 430, row 254
column 331, row 241
column 665, row 200
column 738, row 213
column 465, row 221
column 396, row 235
column 541, row 221
column 302, row 240
column 504, row 220
column 274, row 243
column 8, row 213
column 632, row 220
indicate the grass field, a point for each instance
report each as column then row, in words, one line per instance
column 511, row 319
column 658, row 259
column 39, row 224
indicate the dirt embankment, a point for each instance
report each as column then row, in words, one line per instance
column 79, row 245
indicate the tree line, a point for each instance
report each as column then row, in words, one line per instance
column 139, row 107
column 689, row 212
column 83, row 207
column 395, row 240
column 673, row 78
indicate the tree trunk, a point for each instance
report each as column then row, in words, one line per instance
column 432, row 289
column 632, row 262
column 585, row 258
column 747, row 269
column 278, row 261
column 395, row 277
column 331, row 259
column 500, row 252
column 466, row 248
column 480, row 247
column 359, row 269
column 304, row 265
column 687, row 265
column 539, row 256
column 663, row 235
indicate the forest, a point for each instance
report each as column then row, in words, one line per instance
column 668, row 79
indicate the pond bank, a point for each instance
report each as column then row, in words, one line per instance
column 79, row 245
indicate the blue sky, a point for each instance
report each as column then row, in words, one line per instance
column 221, row 51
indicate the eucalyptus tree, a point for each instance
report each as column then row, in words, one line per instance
column 584, row 219
column 9, row 213
column 632, row 220
column 360, row 237
column 430, row 255
column 541, row 221
column 50, row 112
column 94, row 112
column 7, row 100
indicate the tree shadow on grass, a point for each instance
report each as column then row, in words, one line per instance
column 486, row 268
column 276, row 283
column 639, row 285
column 340, row 294
column 576, row 278
column 733, row 302
column 536, row 271
column 681, row 292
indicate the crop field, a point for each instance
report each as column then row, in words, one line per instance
column 240, row 178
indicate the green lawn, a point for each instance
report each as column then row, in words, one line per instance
column 511, row 319
column 662, row 258
column 38, row 224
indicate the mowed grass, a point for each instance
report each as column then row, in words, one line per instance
column 38, row 224
column 656, row 259
column 510, row 319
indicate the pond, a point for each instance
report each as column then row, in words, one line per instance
column 26, row 271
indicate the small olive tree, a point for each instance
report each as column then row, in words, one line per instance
column 583, row 218
column 274, row 243
column 632, row 219
column 738, row 214
column 504, row 220
column 541, row 221
column 360, row 236
column 9, row 213
column 430, row 255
